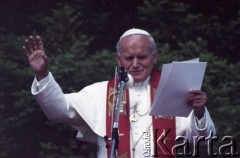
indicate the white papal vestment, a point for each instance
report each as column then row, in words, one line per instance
column 86, row 111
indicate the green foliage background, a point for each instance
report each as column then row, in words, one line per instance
column 80, row 38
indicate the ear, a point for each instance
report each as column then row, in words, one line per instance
column 117, row 58
column 155, row 57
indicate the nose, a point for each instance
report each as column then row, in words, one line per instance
column 135, row 63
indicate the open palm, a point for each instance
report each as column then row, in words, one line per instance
column 36, row 55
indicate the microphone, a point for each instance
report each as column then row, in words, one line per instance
column 130, row 81
column 123, row 76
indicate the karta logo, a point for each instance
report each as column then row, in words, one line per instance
column 183, row 146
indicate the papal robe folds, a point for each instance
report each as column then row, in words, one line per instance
column 86, row 112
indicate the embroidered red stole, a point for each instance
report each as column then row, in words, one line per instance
column 164, row 129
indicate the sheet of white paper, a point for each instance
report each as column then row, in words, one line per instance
column 192, row 60
column 189, row 61
column 177, row 79
column 165, row 70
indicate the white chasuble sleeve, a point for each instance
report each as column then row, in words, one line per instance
column 90, row 104
column 81, row 110
column 192, row 128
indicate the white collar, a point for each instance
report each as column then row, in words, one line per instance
column 144, row 83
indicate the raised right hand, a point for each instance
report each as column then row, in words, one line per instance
column 34, row 50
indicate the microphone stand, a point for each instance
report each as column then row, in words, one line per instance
column 115, row 135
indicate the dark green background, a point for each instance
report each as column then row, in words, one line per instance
column 80, row 38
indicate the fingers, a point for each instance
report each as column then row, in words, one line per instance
column 27, row 48
column 26, row 51
column 197, row 92
column 198, row 99
column 197, row 103
column 32, row 44
column 39, row 43
column 28, row 45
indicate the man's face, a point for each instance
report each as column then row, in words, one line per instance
column 136, row 56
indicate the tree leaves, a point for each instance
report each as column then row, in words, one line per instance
column 80, row 38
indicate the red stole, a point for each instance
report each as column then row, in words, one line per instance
column 164, row 129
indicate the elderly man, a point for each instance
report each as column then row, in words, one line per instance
column 89, row 110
